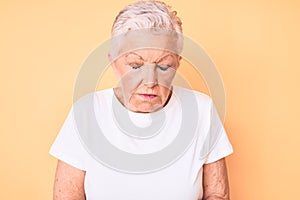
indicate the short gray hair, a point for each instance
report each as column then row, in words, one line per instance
column 146, row 15
column 143, row 17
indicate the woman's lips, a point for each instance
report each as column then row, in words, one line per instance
column 147, row 96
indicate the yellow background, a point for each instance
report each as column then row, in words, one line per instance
column 255, row 45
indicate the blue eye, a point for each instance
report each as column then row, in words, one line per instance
column 163, row 68
column 136, row 67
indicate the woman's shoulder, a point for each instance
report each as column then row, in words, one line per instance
column 190, row 93
column 100, row 93
column 88, row 98
column 104, row 93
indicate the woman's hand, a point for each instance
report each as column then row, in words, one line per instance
column 215, row 181
column 69, row 183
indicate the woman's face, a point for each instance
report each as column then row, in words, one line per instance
column 145, row 78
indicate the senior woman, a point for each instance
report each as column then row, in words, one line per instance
column 145, row 93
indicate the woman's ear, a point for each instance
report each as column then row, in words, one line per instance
column 113, row 63
column 109, row 57
column 116, row 71
column 178, row 60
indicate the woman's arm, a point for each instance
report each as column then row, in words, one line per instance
column 69, row 183
column 215, row 181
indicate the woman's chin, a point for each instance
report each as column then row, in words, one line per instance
column 145, row 107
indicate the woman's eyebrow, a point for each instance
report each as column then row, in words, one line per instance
column 134, row 54
column 164, row 57
column 159, row 60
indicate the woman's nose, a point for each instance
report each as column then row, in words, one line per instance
column 150, row 75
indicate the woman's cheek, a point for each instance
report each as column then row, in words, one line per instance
column 131, row 81
column 165, row 78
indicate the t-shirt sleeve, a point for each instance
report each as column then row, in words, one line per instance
column 220, row 145
column 67, row 146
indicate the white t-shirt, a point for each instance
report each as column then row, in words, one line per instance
column 180, row 179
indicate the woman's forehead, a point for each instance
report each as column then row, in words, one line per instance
column 133, row 41
column 150, row 54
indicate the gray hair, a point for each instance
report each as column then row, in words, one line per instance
column 143, row 15
column 146, row 14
